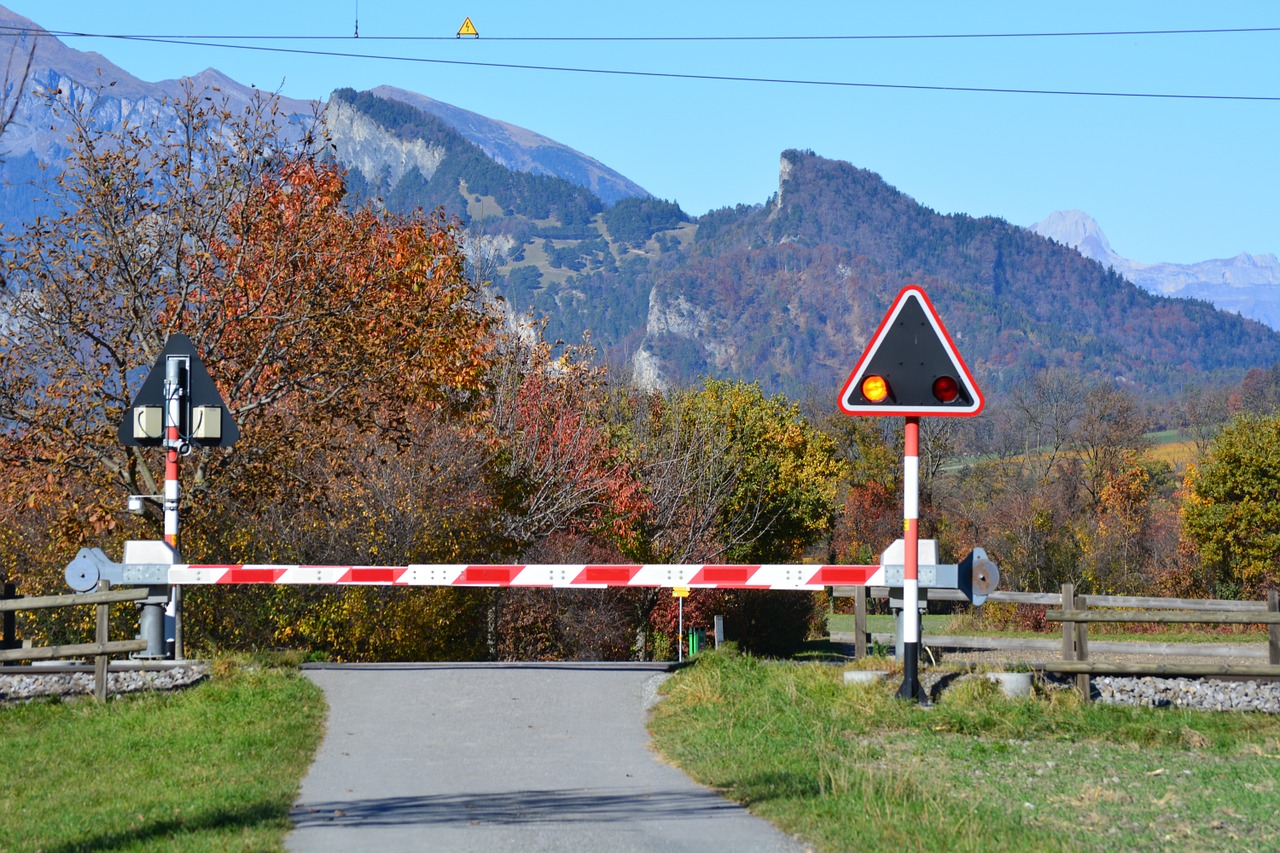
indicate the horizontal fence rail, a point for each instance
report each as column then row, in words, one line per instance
column 74, row 650
column 98, row 650
column 1054, row 599
column 1086, row 668
column 1216, row 617
column 1054, row 647
column 45, row 602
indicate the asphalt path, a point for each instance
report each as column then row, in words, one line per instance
column 505, row 757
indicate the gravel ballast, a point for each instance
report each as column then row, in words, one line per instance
column 1205, row 694
column 32, row 683
column 1202, row 694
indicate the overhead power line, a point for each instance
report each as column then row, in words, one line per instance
column 669, row 74
column 703, row 38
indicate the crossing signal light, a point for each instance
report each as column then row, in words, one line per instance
column 911, row 367
column 946, row 389
column 875, row 389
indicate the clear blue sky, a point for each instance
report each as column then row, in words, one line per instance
column 1168, row 180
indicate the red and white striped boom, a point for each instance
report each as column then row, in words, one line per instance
column 976, row 575
column 797, row 577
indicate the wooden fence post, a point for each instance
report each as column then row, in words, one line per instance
column 1273, row 631
column 1082, row 649
column 9, row 631
column 100, row 661
column 1075, row 638
column 859, row 622
column 1068, row 628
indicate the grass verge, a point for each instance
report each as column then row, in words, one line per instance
column 852, row 768
column 215, row 767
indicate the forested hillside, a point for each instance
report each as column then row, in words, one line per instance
column 788, row 292
column 549, row 247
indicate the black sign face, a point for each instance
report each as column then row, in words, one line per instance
column 911, row 367
column 198, row 399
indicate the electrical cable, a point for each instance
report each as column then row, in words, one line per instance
column 852, row 37
column 680, row 76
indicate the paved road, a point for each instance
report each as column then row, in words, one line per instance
column 504, row 757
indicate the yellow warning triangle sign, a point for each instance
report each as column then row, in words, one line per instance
column 468, row 29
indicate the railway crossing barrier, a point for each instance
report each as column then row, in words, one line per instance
column 153, row 565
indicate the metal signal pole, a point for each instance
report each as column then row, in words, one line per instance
column 177, row 406
column 175, row 385
column 680, row 632
column 910, row 688
column 173, row 388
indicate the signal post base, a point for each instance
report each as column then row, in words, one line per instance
column 912, row 690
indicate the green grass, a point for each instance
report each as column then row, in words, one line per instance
column 881, row 623
column 215, row 767
column 851, row 768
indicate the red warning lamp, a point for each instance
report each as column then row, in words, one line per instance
column 946, row 389
column 875, row 389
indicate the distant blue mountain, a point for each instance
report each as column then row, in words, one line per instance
column 1246, row 284
column 36, row 135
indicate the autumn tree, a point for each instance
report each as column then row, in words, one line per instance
column 1109, row 434
column 1067, row 489
column 558, row 463
column 1046, row 417
column 1231, row 510
column 1259, row 391
column 732, row 476
column 870, row 514
column 1201, row 414
column 342, row 339
column 1118, row 545
column 231, row 231
column 563, row 485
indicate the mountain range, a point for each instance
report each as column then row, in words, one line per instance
column 1246, row 284
column 783, row 291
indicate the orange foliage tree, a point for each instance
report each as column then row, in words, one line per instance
column 324, row 326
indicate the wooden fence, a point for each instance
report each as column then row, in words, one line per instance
column 1075, row 646
column 100, row 650
column 1076, row 617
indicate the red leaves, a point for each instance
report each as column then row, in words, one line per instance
column 560, row 471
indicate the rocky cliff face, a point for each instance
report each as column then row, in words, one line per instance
column 364, row 146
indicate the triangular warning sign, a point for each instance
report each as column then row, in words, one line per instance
column 911, row 367
column 468, row 29
column 197, row 395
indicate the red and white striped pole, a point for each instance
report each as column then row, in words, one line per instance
column 173, row 387
column 176, row 377
column 910, row 689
